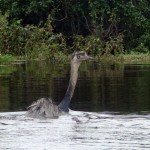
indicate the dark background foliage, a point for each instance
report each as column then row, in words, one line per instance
column 101, row 19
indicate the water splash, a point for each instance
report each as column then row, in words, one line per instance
column 75, row 131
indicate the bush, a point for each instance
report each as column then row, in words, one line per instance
column 33, row 41
column 114, row 46
column 6, row 59
column 91, row 44
column 96, row 22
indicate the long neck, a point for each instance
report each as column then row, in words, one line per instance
column 64, row 104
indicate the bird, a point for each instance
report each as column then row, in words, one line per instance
column 45, row 107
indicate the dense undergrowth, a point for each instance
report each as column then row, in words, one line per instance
column 51, row 29
column 30, row 41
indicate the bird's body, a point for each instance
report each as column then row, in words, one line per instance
column 44, row 107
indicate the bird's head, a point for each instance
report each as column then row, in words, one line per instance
column 80, row 56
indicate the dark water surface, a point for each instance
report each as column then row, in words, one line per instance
column 115, row 88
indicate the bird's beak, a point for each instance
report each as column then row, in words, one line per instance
column 90, row 58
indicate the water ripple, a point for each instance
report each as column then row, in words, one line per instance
column 78, row 130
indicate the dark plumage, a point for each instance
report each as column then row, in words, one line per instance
column 44, row 107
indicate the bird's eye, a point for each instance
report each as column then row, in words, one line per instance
column 78, row 57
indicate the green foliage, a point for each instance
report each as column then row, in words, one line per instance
column 128, row 17
column 114, row 46
column 33, row 41
column 90, row 44
column 141, row 49
column 136, row 58
column 7, row 70
column 6, row 59
column 93, row 24
column 95, row 46
column 3, row 21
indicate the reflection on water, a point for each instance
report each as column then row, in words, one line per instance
column 115, row 88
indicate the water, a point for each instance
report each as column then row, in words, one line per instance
column 110, row 108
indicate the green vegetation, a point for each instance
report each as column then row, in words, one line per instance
column 6, row 58
column 36, row 29
column 30, row 41
column 7, row 70
column 136, row 58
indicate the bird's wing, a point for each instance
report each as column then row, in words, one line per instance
column 43, row 108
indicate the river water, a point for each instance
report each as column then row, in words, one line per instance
column 110, row 108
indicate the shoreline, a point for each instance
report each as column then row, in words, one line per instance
column 120, row 58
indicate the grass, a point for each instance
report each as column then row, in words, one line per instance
column 6, row 70
column 5, row 59
column 132, row 58
column 60, row 57
column 9, row 59
column 136, row 58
